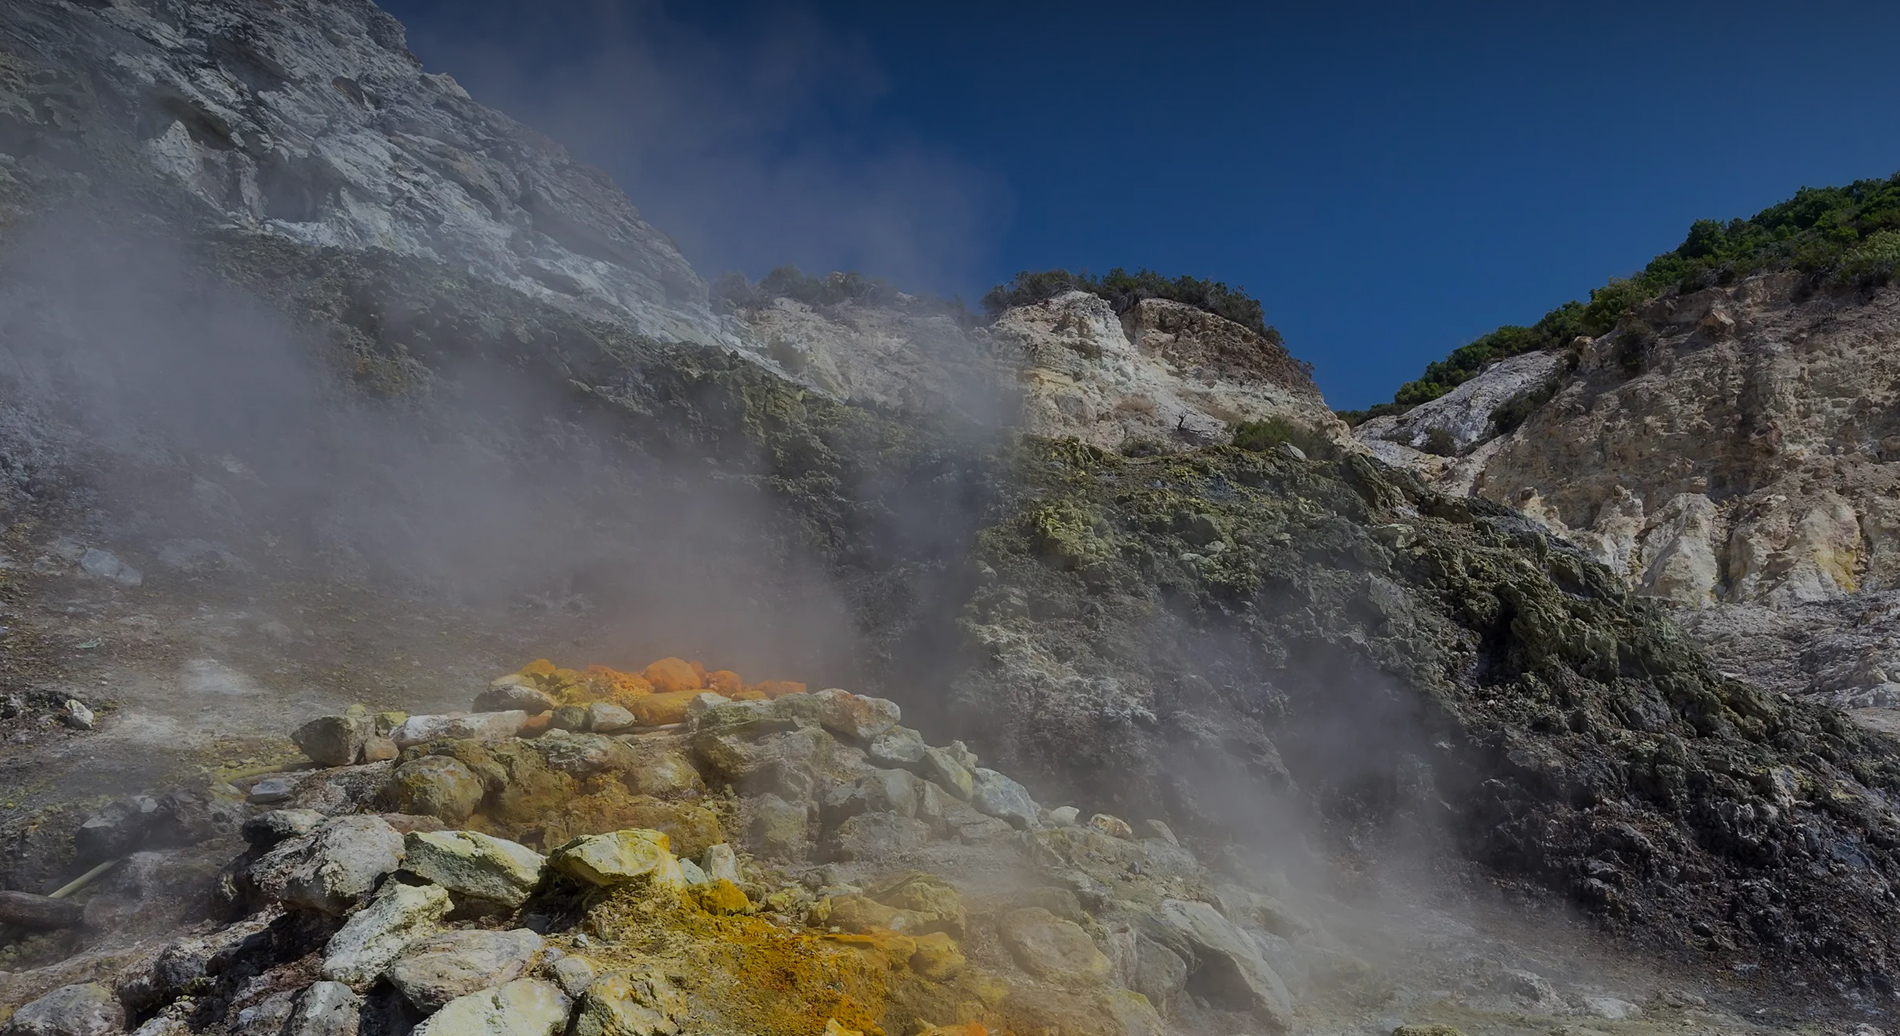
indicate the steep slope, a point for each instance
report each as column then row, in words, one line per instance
column 1732, row 450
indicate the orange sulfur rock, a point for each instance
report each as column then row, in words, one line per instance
column 724, row 681
column 535, row 726
column 751, row 694
column 778, row 688
column 671, row 675
column 662, row 707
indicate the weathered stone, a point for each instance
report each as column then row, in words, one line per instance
column 659, row 710
column 330, row 870
column 604, row 717
column 474, row 865
column 437, row 786
column 778, row 827
column 84, row 1009
column 480, row 726
column 663, row 774
column 854, row 716
column 272, row 790
column 523, row 1007
column 870, row 836
column 373, row 938
column 513, row 693
column 570, row 717
column 273, row 826
column 941, row 768
column 582, row 755
column 1003, row 798
column 573, row 973
column 1111, row 825
column 937, row 957
column 334, row 740
column 1050, row 948
column 1159, row 829
column 378, row 749
column 639, row 1004
column 1230, row 965
column 76, row 715
column 1065, row 816
column 325, row 1009
column 436, row 970
column 620, row 858
column 901, row 747
column 887, row 791
column 691, row 872
column 720, row 863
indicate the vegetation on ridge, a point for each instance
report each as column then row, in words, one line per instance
column 1843, row 235
column 1123, row 290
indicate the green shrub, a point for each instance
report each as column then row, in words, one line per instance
column 1261, row 436
column 1509, row 415
column 1440, row 441
column 1123, row 290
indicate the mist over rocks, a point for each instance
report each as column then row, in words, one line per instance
column 441, row 400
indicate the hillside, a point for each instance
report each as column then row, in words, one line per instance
column 338, row 403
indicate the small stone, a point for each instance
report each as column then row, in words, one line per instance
column 326, row 1009
column 474, row 865
column 1065, row 816
column 902, row 746
column 388, row 721
column 1002, row 798
column 941, row 768
column 1161, row 830
column 573, row 974
column 85, row 1009
column 604, row 717
column 271, row 789
column 638, row 1004
column 436, row 970
column 623, row 857
column 480, row 726
column 273, row 826
column 720, row 863
column 663, row 775
column 524, row 1007
column 937, row 958
column 76, row 715
column 691, row 873
column 379, row 749
column 571, row 717
column 869, row 836
column 1050, row 948
column 371, row 940
column 582, row 755
column 437, row 786
column 778, row 826
column 855, row 716
column 664, row 709
column 510, row 693
column 330, row 870
column 1112, row 826
column 334, row 740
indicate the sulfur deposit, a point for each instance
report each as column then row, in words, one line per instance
column 770, row 861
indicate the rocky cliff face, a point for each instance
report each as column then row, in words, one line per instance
column 313, row 122
column 1316, row 662
column 1734, row 447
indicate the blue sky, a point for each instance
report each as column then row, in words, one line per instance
column 1390, row 179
